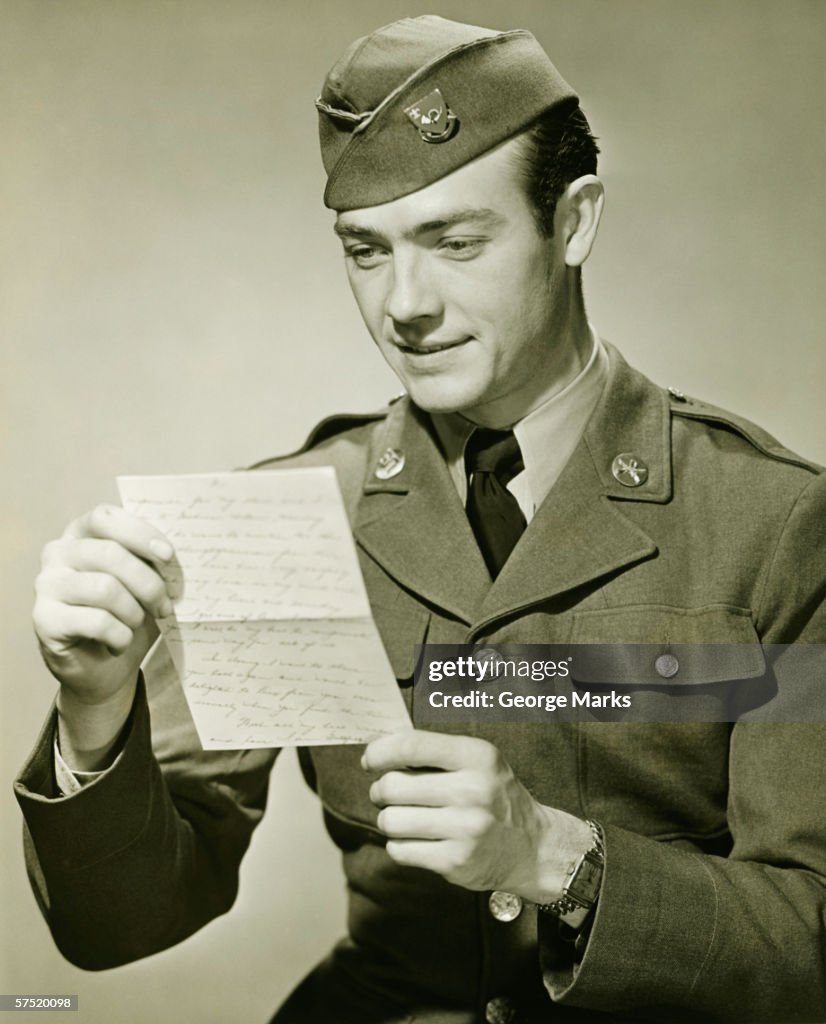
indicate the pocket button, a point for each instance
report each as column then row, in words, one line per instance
column 667, row 666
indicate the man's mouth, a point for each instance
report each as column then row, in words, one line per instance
column 430, row 349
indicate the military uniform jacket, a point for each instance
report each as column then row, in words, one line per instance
column 713, row 900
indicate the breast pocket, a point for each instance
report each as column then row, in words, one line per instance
column 656, row 647
column 660, row 765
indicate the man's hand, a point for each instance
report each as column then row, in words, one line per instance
column 98, row 592
column 451, row 804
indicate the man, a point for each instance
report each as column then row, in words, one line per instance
column 531, row 487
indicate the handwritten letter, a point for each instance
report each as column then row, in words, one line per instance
column 272, row 635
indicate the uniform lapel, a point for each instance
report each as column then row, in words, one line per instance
column 413, row 523
column 580, row 532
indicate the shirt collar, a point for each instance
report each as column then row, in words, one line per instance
column 547, row 436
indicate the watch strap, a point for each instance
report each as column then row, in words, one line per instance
column 577, row 901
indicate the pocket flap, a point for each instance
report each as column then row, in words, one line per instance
column 656, row 645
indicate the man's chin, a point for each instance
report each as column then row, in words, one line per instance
column 442, row 399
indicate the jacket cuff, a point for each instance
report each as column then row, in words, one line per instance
column 657, row 907
column 79, row 830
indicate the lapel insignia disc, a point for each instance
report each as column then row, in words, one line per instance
column 432, row 116
column 628, row 470
column 390, row 464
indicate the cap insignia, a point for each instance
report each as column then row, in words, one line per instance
column 432, row 116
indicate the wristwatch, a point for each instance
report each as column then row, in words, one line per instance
column 581, row 888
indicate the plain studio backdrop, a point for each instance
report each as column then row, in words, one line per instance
column 173, row 300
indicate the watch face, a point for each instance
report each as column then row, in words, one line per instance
column 585, row 881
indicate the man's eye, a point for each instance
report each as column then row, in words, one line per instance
column 461, row 248
column 364, row 256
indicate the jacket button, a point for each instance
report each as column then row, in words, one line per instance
column 505, row 906
column 667, row 666
column 500, row 1011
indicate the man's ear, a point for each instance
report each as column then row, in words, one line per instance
column 581, row 210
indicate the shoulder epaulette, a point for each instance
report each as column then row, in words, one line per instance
column 328, row 428
column 762, row 440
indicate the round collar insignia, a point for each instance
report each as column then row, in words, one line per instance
column 629, row 470
column 390, row 464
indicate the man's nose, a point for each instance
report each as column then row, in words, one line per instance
column 413, row 293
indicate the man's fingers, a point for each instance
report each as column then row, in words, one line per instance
column 423, row 789
column 94, row 556
column 419, row 749
column 431, row 789
column 445, row 857
column 94, row 590
column 71, row 624
column 433, row 822
column 109, row 522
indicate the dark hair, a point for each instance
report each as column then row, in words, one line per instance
column 555, row 151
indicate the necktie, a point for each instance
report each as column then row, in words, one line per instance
column 492, row 458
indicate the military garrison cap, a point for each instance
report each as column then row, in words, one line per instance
column 415, row 100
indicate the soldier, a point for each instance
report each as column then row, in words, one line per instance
column 530, row 487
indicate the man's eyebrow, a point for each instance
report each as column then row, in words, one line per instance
column 481, row 216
